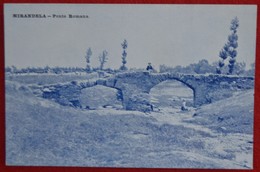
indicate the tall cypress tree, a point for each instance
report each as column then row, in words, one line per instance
column 124, row 54
column 233, row 38
column 229, row 49
column 103, row 59
column 88, row 56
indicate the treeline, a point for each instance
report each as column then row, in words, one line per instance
column 204, row 67
column 53, row 70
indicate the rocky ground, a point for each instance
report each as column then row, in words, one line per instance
column 42, row 132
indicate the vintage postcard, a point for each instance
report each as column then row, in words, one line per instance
column 139, row 86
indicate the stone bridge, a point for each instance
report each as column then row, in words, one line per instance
column 130, row 85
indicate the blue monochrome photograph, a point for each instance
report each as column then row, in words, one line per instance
column 136, row 86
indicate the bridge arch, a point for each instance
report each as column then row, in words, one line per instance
column 171, row 92
column 102, row 94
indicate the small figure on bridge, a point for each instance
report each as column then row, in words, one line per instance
column 149, row 67
column 184, row 107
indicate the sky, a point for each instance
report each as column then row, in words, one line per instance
column 161, row 34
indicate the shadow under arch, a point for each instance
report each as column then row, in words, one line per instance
column 119, row 93
column 171, row 92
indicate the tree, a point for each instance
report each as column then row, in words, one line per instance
column 223, row 55
column 233, row 44
column 47, row 69
column 202, row 67
column 8, row 69
column 88, row 56
column 14, row 69
column 251, row 71
column 103, row 59
column 229, row 49
column 124, row 54
column 240, row 68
